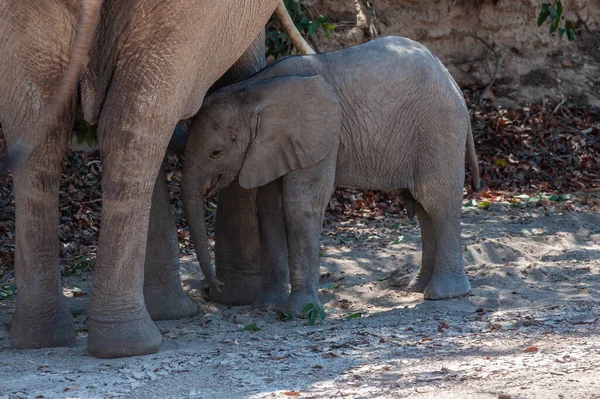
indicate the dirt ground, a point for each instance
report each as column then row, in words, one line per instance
column 530, row 328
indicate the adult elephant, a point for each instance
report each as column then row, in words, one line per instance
column 150, row 64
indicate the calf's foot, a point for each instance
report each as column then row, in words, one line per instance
column 168, row 304
column 133, row 336
column 34, row 329
column 237, row 289
column 298, row 301
column 447, row 286
column 419, row 283
column 273, row 297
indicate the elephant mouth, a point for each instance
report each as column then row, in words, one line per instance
column 210, row 191
column 214, row 187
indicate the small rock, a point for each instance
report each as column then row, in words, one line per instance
column 138, row 375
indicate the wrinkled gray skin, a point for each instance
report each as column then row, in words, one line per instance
column 150, row 64
column 383, row 115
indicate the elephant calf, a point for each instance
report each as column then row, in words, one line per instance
column 383, row 115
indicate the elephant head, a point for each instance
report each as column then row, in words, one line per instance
column 256, row 132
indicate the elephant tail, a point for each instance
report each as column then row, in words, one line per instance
column 472, row 158
column 289, row 27
column 89, row 17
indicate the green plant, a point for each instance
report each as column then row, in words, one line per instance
column 307, row 21
column 85, row 132
column 313, row 311
column 250, row 327
column 554, row 11
column 285, row 316
column 7, row 291
column 356, row 315
column 78, row 266
column 77, row 311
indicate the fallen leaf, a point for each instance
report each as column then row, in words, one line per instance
column 531, row 349
column 291, row 393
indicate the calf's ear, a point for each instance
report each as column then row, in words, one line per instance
column 295, row 121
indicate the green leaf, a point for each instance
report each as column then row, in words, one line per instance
column 336, row 286
column 77, row 311
column 570, row 30
column 321, row 313
column 559, row 9
column 554, row 25
column 544, row 13
column 569, row 25
column 471, row 203
column 308, row 307
column 484, row 204
column 314, row 26
column 357, row 315
column 7, row 291
column 250, row 327
column 384, row 279
column 561, row 33
column 312, row 318
column 285, row 316
column 90, row 138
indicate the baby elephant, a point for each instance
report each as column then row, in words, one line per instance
column 383, row 115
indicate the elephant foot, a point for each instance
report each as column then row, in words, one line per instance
column 168, row 304
column 30, row 331
column 237, row 290
column 446, row 287
column 419, row 283
column 298, row 301
column 137, row 336
column 274, row 297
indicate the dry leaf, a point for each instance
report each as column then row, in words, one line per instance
column 531, row 349
column 291, row 393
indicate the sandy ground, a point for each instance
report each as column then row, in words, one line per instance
column 530, row 328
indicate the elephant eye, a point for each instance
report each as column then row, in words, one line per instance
column 216, row 154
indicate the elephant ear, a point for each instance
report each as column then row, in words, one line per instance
column 295, row 121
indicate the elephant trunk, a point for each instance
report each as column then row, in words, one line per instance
column 193, row 204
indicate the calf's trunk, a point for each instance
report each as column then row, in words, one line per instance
column 193, row 204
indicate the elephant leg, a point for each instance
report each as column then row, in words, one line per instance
column 42, row 317
column 237, row 242
column 237, row 247
column 448, row 279
column 164, row 297
column 428, row 240
column 306, row 193
column 132, row 146
column 273, row 243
